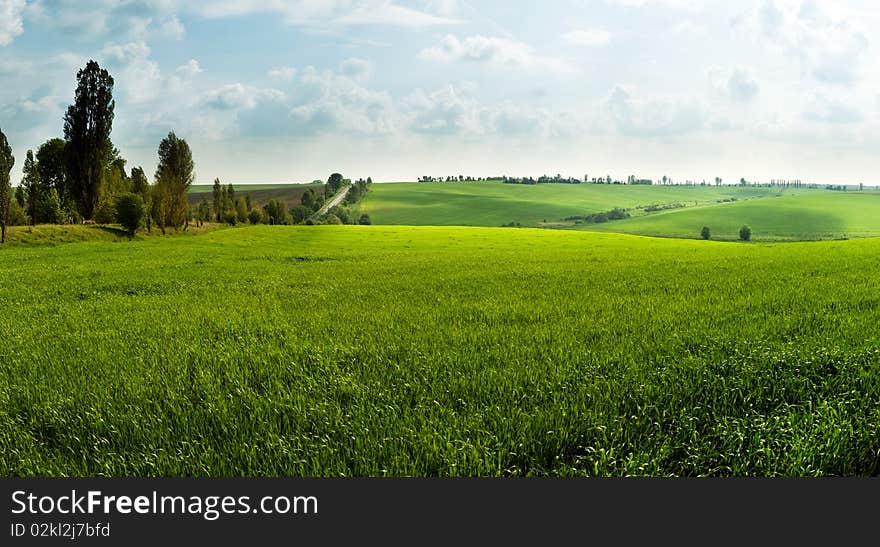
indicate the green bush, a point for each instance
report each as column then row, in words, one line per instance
column 255, row 216
column 745, row 233
column 705, row 233
column 105, row 212
column 130, row 212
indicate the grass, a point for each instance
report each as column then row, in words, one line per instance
column 497, row 204
column 371, row 351
column 811, row 216
column 44, row 235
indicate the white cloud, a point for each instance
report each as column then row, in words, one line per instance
column 676, row 4
column 240, row 97
column 490, row 50
column 125, row 53
column 317, row 102
column 456, row 111
column 191, row 68
column 309, row 12
column 829, row 47
column 172, row 28
column 587, row 38
column 738, row 85
column 356, row 68
column 388, row 13
column 635, row 116
column 283, row 73
column 831, row 110
column 11, row 24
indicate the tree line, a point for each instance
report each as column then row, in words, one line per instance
column 82, row 178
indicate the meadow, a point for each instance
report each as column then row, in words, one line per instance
column 439, row 351
column 496, row 204
column 810, row 216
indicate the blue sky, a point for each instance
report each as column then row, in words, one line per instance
column 270, row 91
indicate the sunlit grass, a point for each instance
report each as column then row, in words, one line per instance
column 353, row 351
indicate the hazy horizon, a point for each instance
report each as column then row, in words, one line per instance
column 291, row 91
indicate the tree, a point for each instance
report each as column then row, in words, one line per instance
column 308, row 199
column 53, row 175
column 174, row 175
column 217, row 194
column 116, row 181
column 49, row 208
column 334, row 184
column 241, row 210
column 87, row 126
column 204, row 212
column 31, row 186
column 255, row 216
column 20, row 196
column 705, row 233
column 130, row 212
column 7, row 161
column 300, row 213
column 276, row 210
column 745, row 233
column 365, row 219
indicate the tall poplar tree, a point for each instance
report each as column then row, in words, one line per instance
column 174, row 175
column 7, row 160
column 87, row 126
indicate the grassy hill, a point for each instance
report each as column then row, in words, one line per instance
column 47, row 235
column 810, row 216
column 497, row 204
column 373, row 350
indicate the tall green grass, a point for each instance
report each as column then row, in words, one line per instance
column 373, row 351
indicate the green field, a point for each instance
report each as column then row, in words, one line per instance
column 497, row 204
column 370, row 351
column 810, row 216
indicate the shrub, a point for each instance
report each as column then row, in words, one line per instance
column 332, row 219
column 255, row 216
column 300, row 213
column 49, row 208
column 230, row 217
column 705, row 233
column 105, row 212
column 16, row 215
column 745, row 233
column 130, row 212
column 365, row 219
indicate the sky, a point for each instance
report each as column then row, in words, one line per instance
column 284, row 91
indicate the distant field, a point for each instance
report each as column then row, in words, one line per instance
column 811, row 216
column 496, row 203
column 424, row 351
column 260, row 193
column 199, row 188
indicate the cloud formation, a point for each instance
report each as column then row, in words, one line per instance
column 11, row 20
column 490, row 50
